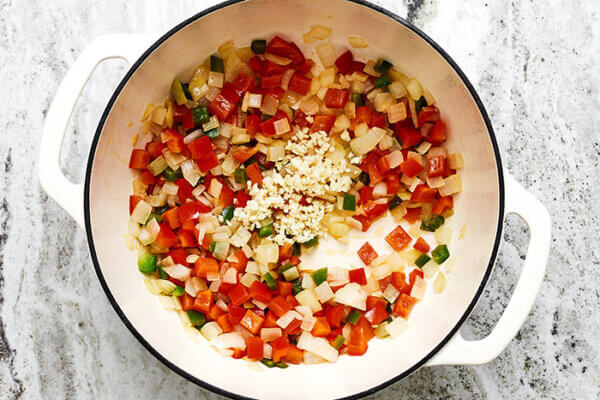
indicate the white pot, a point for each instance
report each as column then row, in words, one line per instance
column 100, row 204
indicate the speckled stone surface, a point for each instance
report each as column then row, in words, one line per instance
column 536, row 65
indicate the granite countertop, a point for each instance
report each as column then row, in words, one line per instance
column 536, row 65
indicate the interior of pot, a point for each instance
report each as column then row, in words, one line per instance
column 477, row 208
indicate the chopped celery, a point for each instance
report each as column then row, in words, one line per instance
column 353, row 317
column 197, row 319
column 440, row 254
column 178, row 291
column 349, row 202
column 227, row 213
column 258, row 46
column 338, row 342
column 422, row 260
column 319, row 276
column 382, row 66
column 382, row 81
column 216, row 64
column 239, row 175
column 171, row 175
column 265, row 231
column 177, row 92
column 147, row 263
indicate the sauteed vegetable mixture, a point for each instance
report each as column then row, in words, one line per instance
column 257, row 156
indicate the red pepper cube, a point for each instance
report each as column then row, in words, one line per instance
column 279, row 306
column 254, row 348
column 235, row 313
column 441, row 204
column 367, row 254
column 203, row 301
column 260, row 292
column 357, row 66
column 305, row 67
column 399, row 282
column 335, row 314
column 398, row 238
column 200, row 147
column 408, row 135
column 428, row 114
column 243, row 82
column 421, row 245
column 423, row 194
column 166, row 238
column 231, row 92
column 184, row 190
column 376, row 314
column 221, row 106
column 279, row 46
column 336, row 98
column 186, row 239
column 254, row 174
column 375, row 210
column 437, row 166
column 322, row 123
column 296, row 55
column 204, row 266
column 412, row 215
column 438, row 133
column 393, row 183
column 239, row 294
column 133, row 201
column 252, row 321
column 271, row 81
column 344, row 62
column 270, row 68
column 358, row 276
column 299, row 84
column 411, row 167
column 280, row 347
column 139, row 159
column 404, row 305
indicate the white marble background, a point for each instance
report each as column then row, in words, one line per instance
column 536, row 67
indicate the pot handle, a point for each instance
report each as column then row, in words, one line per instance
column 472, row 352
column 67, row 194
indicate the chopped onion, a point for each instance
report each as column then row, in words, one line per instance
column 398, row 90
column 255, row 100
column 443, row 235
column 310, row 106
column 279, row 60
column 381, row 271
column 440, row 283
column 450, row 265
column 397, row 327
column 230, row 276
column 308, row 323
column 240, row 237
column 318, row 346
column 364, row 144
column 276, row 153
column 215, row 188
column 158, row 165
column 383, row 101
column 338, row 276
column 269, row 105
column 221, row 249
column 304, row 311
column 370, row 68
column 248, row 279
column 211, row 330
column 435, row 182
column 326, row 54
column 386, row 142
column 215, row 79
column 452, row 185
column 169, row 302
column 394, row 159
column 267, row 351
column 190, row 172
column 287, row 318
column 397, row 112
column 415, row 90
column 178, row 272
column 324, row 292
column 195, row 285
column 153, row 228
column 327, row 77
column 380, row 190
column 230, row 340
column 352, row 295
column 267, row 253
column 270, row 334
column 308, row 298
column 141, row 212
column 357, row 42
column 391, row 293
column 418, row 289
column 320, row 32
column 312, row 359
column 164, row 286
column 455, row 161
column 307, row 282
column 173, row 160
column 436, row 152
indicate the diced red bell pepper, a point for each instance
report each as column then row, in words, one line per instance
column 423, row 194
column 344, row 62
column 256, row 64
column 300, row 119
column 186, row 239
column 376, row 174
column 375, row 210
column 372, row 301
column 231, row 92
column 428, row 114
column 271, row 81
column 305, row 67
column 411, row 167
column 393, row 183
column 260, row 292
column 188, row 211
column 179, row 256
column 203, row 301
column 225, row 197
column 366, row 253
column 270, row 320
column 235, row 313
column 242, row 260
column 412, row 215
column 279, row 46
column 296, row 55
column 147, row 177
column 336, row 98
column 254, row 348
column 173, row 140
column 358, row 275
column 240, row 199
column 363, row 114
column 239, row 294
column 224, row 323
column 286, row 250
column 378, row 119
column 139, row 159
column 270, row 68
column 421, row 245
column 358, row 343
column 299, row 84
column 366, row 195
column 244, row 82
column 184, row 190
column 221, row 106
column 321, row 327
column 280, row 348
column 252, row 321
column 294, row 326
column 268, row 127
column 166, row 238
column 365, row 221
column 279, row 306
column 438, row 133
column 243, row 153
column 155, row 149
column 404, row 305
column 186, row 302
column 437, row 166
column 442, row 204
column 284, row 289
column 399, row 282
column 179, row 112
column 200, row 147
column 322, row 123
column 254, row 174
column 412, row 277
column 252, row 124
column 357, row 66
column 133, row 201
column 294, row 355
column 377, row 314
column 335, row 315
column 408, row 135
column 204, row 266
column 398, row 238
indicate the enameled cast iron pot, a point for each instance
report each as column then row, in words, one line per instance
column 99, row 205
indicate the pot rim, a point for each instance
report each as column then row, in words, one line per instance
column 208, row 386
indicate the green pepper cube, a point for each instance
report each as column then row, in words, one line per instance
column 338, row 342
column 422, row 260
column 154, row 214
column 297, row 249
column 161, row 273
column 440, row 254
column 297, row 286
column 281, row 365
column 312, row 242
column 211, row 247
column 216, row 64
column 395, row 202
column 270, row 281
column 178, row 291
column 382, row 66
column 432, row 223
column 268, row 363
column 239, row 175
column 200, row 115
column 422, row 102
column 186, row 90
column 147, row 263
column 382, row 81
column 197, row 319
column 213, row 133
column 364, row 178
column 349, row 202
column 177, row 92
column 258, row 46
column 171, row 175
column 353, row 317
column 358, row 99
column 227, row 213
column 265, row 231
column 319, row 276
